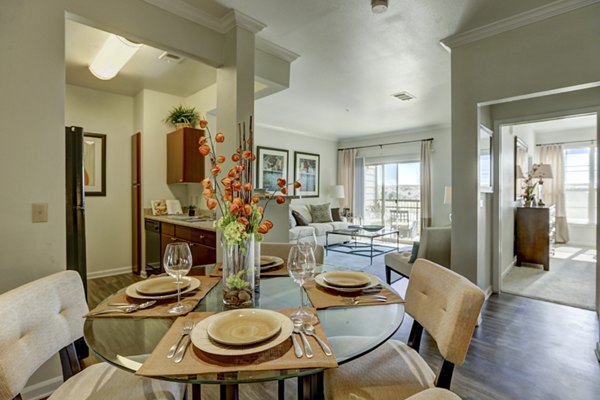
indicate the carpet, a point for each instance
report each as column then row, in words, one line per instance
column 358, row 263
column 571, row 279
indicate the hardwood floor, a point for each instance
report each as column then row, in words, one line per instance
column 523, row 349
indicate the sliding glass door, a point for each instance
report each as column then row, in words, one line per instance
column 392, row 196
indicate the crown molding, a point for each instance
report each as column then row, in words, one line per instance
column 514, row 22
column 222, row 25
column 275, row 50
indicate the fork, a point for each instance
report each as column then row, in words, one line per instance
column 187, row 329
column 365, row 299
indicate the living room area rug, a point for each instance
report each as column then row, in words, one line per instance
column 571, row 279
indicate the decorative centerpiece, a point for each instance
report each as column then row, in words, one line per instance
column 181, row 117
column 242, row 220
column 528, row 187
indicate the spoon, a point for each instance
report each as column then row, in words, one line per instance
column 298, row 329
column 310, row 331
column 126, row 309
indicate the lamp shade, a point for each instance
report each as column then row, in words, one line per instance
column 448, row 195
column 113, row 56
column 338, row 192
column 543, row 171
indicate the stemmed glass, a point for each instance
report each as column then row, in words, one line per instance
column 178, row 262
column 307, row 240
column 301, row 268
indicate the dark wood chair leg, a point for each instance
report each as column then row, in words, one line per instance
column 388, row 275
column 414, row 339
column 229, row 392
column 311, row 387
column 281, row 390
column 193, row 392
column 445, row 375
column 69, row 361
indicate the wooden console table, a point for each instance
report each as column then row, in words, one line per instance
column 535, row 235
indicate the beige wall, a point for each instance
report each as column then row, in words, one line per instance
column 540, row 57
column 107, row 218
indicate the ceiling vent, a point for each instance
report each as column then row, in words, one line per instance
column 170, row 57
column 404, row 96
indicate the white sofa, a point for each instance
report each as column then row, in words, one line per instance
column 320, row 228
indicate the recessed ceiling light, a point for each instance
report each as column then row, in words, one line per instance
column 170, row 57
column 113, row 56
column 379, row 6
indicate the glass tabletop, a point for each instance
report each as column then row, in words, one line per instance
column 359, row 231
column 352, row 332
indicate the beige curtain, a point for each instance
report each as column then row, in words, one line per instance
column 345, row 175
column 425, row 184
column 554, row 189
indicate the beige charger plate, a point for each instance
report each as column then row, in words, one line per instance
column 202, row 341
column 374, row 281
column 132, row 292
column 243, row 327
column 269, row 262
column 161, row 286
column 346, row 279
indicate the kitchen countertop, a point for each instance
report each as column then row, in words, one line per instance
column 183, row 220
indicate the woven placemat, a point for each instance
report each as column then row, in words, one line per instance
column 161, row 308
column 322, row 298
column 198, row 362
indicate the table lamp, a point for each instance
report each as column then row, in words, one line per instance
column 338, row 192
column 543, row 171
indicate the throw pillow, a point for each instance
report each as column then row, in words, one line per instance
column 321, row 213
column 415, row 251
column 335, row 214
column 300, row 220
column 292, row 219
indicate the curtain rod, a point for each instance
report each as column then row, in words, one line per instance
column 386, row 144
column 572, row 141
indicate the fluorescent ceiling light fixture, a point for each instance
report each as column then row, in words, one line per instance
column 113, row 56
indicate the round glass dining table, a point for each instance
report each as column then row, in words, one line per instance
column 352, row 331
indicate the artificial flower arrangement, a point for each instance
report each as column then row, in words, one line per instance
column 529, row 185
column 241, row 217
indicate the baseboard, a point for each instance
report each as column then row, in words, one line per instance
column 488, row 292
column 42, row 389
column 510, row 267
column 108, row 272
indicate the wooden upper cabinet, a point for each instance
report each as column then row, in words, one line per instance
column 184, row 163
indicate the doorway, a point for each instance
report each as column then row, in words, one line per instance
column 566, row 147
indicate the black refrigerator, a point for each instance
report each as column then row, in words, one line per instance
column 75, row 202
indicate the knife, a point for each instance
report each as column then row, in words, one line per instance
column 182, row 348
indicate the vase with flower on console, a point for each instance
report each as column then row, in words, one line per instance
column 238, row 272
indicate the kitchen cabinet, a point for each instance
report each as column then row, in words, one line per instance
column 184, row 163
column 202, row 242
column 535, row 235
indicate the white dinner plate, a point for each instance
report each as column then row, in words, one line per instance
column 132, row 292
column 243, row 327
column 374, row 281
column 202, row 341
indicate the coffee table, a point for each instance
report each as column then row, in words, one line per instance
column 362, row 248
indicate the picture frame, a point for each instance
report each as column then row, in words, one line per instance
column 94, row 164
column 271, row 165
column 521, row 165
column 486, row 159
column 307, row 172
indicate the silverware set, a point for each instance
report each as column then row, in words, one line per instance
column 177, row 351
column 123, row 308
column 302, row 329
column 364, row 299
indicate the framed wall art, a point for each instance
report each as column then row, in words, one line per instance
column 486, row 159
column 94, row 164
column 272, row 164
column 306, row 171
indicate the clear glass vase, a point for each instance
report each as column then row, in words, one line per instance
column 238, row 273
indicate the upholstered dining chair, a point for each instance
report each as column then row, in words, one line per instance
column 440, row 301
column 435, row 394
column 433, row 246
column 282, row 250
column 44, row 317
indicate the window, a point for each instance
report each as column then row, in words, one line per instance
column 580, row 183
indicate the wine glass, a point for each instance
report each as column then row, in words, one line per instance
column 178, row 262
column 307, row 240
column 301, row 268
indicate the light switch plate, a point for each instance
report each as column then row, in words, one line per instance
column 39, row 212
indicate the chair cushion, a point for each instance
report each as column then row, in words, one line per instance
column 339, row 225
column 392, row 371
column 103, row 381
column 321, row 229
column 414, row 252
column 435, row 394
column 320, row 213
column 300, row 219
column 399, row 262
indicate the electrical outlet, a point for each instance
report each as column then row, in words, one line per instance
column 39, row 212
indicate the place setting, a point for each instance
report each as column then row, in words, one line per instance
column 239, row 340
column 269, row 266
column 348, row 289
column 155, row 296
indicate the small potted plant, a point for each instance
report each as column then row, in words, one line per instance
column 191, row 210
column 180, row 117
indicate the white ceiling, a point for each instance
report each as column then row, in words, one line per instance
column 561, row 124
column 351, row 61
